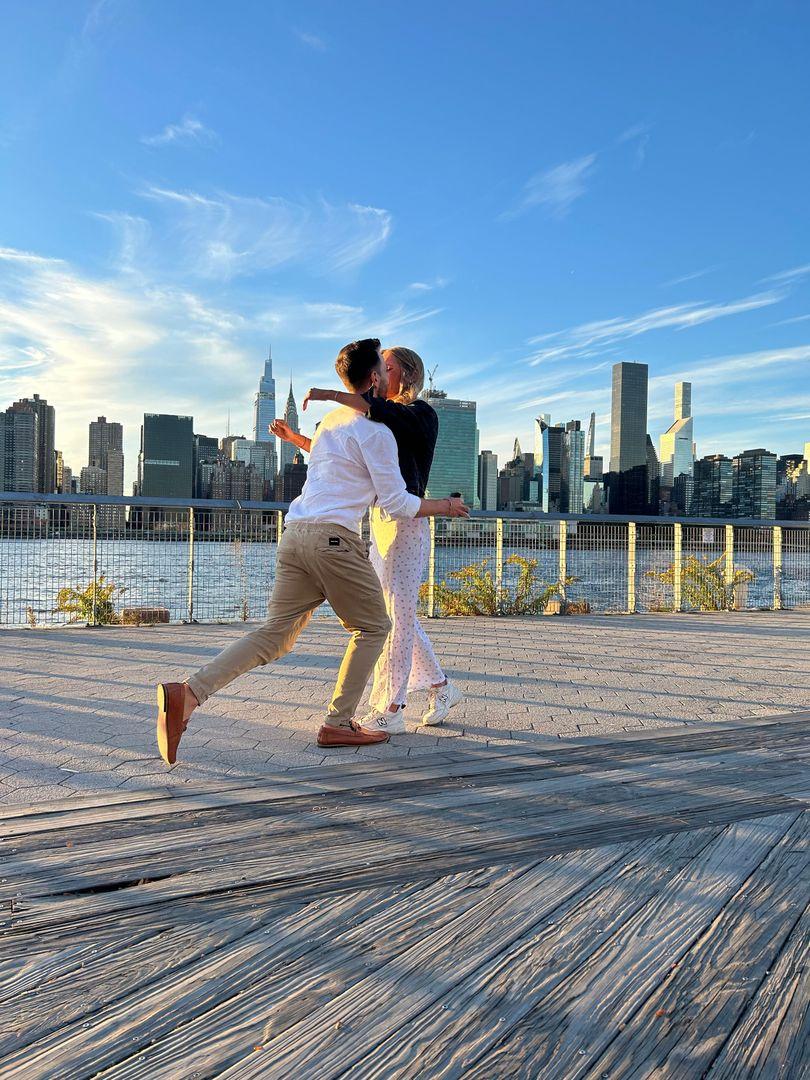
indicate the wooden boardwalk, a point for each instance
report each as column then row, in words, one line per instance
column 628, row 907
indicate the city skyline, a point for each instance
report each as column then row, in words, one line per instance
column 629, row 400
column 149, row 253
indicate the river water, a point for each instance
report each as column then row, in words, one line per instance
column 232, row 581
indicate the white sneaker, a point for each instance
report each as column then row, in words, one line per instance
column 440, row 702
column 392, row 722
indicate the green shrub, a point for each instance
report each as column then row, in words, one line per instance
column 474, row 591
column 703, row 583
column 78, row 603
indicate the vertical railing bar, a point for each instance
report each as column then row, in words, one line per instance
column 777, row 567
column 631, row 566
column 499, row 565
column 94, row 521
column 729, row 567
column 677, row 567
column 431, row 600
column 191, row 524
column 563, row 566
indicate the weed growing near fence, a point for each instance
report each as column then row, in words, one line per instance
column 703, row 583
column 474, row 591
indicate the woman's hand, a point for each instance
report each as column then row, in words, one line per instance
column 457, row 508
column 282, row 430
column 314, row 394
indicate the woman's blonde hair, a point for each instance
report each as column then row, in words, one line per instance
column 412, row 378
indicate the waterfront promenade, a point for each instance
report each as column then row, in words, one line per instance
column 77, row 705
column 597, row 868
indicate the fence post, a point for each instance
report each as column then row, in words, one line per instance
column 631, row 566
column 677, row 567
column 191, row 564
column 563, row 558
column 499, row 565
column 94, row 520
column 431, row 598
column 777, row 567
column 729, row 567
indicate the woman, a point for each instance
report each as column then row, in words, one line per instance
column 400, row 549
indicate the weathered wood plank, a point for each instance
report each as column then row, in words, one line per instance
column 704, row 996
column 446, row 1038
column 570, row 1027
column 772, row 1038
column 83, row 1049
column 442, row 853
column 416, row 986
column 335, row 963
column 87, row 865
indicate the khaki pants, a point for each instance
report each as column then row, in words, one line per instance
column 316, row 563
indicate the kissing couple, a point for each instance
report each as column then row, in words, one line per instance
column 373, row 451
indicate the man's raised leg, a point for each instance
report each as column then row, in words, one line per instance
column 296, row 594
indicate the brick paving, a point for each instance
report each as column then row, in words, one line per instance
column 77, row 705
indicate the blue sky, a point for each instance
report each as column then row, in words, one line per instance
column 525, row 192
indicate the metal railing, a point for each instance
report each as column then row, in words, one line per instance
column 98, row 559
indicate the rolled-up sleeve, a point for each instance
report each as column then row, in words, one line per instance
column 379, row 450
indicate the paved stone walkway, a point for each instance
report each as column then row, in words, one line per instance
column 77, row 705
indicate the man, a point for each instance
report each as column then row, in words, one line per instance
column 321, row 557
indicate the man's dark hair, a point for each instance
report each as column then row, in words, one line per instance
column 357, row 360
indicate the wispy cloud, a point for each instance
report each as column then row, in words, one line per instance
column 787, row 277
column 428, row 286
column 133, row 234
column 639, row 136
column 225, row 236
column 791, row 322
column 689, row 277
column 581, row 340
column 555, row 189
column 312, row 41
column 66, row 334
column 188, row 130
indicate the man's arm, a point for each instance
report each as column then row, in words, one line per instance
column 286, row 433
column 379, row 450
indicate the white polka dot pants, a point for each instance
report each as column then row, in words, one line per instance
column 399, row 554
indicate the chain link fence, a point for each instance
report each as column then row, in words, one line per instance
column 95, row 560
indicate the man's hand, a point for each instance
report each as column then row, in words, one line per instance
column 282, row 430
column 314, row 394
column 457, row 508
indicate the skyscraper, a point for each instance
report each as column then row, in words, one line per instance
column 46, row 448
column 572, row 468
column 628, row 417
column 19, row 444
column 550, row 464
column 64, row 474
column 676, row 446
column 262, row 455
column 488, row 480
column 166, row 460
column 628, row 480
column 593, row 465
column 712, row 491
column 264, row 404
column 206, row 452
column 291, row 482
column 288, row 451
column 754, row 484
column 106, row 441
column 455, row 462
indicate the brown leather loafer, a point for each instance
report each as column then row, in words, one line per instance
column 170, row 722
column 329, row 735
